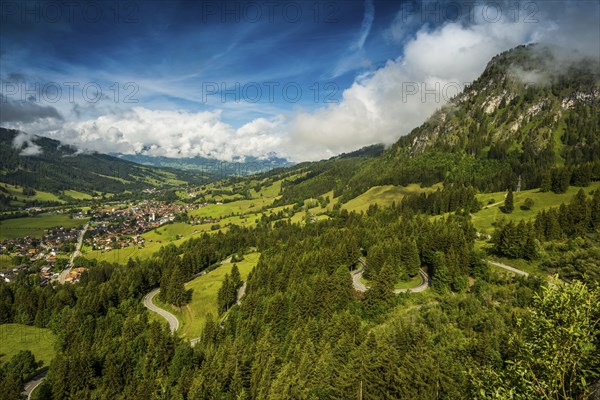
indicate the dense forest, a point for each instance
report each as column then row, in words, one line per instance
column 303, row 332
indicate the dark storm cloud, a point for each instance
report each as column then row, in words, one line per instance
column 25, row 111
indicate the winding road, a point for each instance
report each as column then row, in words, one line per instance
column 361, row 287
column 171, row 319
column 33, row 383
column 241, row 292
column 508, row 268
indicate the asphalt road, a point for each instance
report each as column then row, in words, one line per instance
column 240, row 293
column 33, row 383
column 361, row 287
column 508, row 268
column 171, row 319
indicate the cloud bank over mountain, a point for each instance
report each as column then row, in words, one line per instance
column 434, row 61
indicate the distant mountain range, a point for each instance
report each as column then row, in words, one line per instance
column 247, row 166
column 49, row 165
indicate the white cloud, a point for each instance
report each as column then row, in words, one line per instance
column 367, row 23
column 23, row 141
column 379, row 107
column 383, row 106
column 170, row 134
column 393, row 100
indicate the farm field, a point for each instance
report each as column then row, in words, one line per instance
column 384, row 196
column 34, row 226
column 175, row 233
column 17, row 337
column 265, row 197
column 204, row 296
column 77, row 195
column 39, row 195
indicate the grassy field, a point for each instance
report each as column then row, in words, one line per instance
column 238, row 207
column 175, row 233
column 114, row 178
column 204, row 296
column 409, row 284
column 301, row 215
column 34, row 226
column 16, row 337
column 485, row 218
column 384, row 196
column 270, row 191
column 264, row 198
column 77, row 195
column 39, row 195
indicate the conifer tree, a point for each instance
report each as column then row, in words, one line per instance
column 176, row 294
column 410, row 257
column 441, row 275
column 509, row 204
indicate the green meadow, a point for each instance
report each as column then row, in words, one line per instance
column 17, row 337
column 204, row 296
column 175, row 233
column 34, row 226
column 489, row 214
column 384, row 196
column 77, row 195
column 39, row 195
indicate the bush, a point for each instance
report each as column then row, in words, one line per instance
column 526, row 206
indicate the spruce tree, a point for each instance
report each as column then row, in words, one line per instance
column 546, row 184
column 509, row 204
column 176, row 294
column 236, row 279
column 441, row 275
column 410, row 257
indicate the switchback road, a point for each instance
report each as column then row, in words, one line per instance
column 33, row 383
column 171, row 319
column 361, row 287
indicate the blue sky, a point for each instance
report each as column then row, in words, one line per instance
column 303, row 79
column 175, row 51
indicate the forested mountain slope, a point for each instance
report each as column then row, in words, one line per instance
column 527, row 114
column 47, row 164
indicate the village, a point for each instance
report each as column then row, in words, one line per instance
column 109, row 228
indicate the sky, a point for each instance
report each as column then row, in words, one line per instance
column 304, row 80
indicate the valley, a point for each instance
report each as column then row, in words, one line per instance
column 459, row 262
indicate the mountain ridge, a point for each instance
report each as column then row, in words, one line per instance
column 47, row 164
